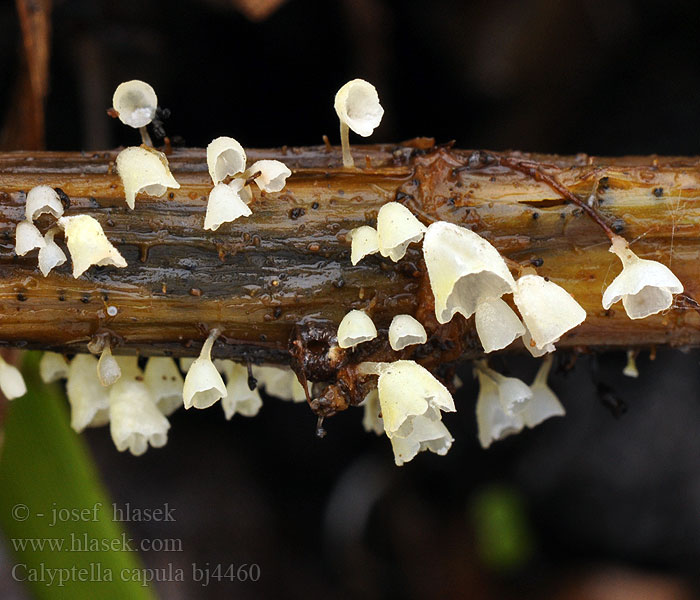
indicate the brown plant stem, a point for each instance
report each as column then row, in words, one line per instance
column 284, row 274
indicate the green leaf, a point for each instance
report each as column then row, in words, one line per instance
column 504, row 540
column 46, row 470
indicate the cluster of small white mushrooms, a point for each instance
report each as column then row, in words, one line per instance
column 227, row 159
column 467, row 275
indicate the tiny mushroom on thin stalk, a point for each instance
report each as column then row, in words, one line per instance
column 144, row 170
column 225, row 204
column 203, row 383
column 497, row 325
column 240, row 399
column 225, row 157
column 493, row 422
column 363, row 242
column 52, row 367
column 27, row 238
column 544, row 403
column 43, row 199
column 646, row 287
column 88, row 245
column 88, row 398
column 397, row 227
column 164, row 381
column 51, row 255
column 11, row 380
column 108, row 370
column 272, row 176
column 547, row 309
column 355, row 328
column 134, row 419
column 411, row 401
column 357, row 106
column 406, row 331
column 280, row 382
column 135, row 103
column 464, row 270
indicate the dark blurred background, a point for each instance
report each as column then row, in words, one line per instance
column 604, row 503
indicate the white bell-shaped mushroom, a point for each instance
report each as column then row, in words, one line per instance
column 165, row 383
column 108, row 370
column 135, row 102
column 406, row 331
column 512, row 393
column 363, row 241
column 88, row 245
column 646, row 287
column 203, row 383
column 225, row 156
column 225, row 204
column 355, row 328
column 42, row 199
column 411, row 400
column 51, row 255
column 358, row 108
column 273, row 175
column 544, row 402
column 464, row 269
column 630, row 369
column 240, row 399
column 11, row 381
column 88, row 398
column 371, row 418
column 52, row 367
column 493, row 423
column 144, row 169
column 134, row 420
column 547, row 309
column 280, row 383
column 397, row 227
column 496, row 324
column 27, row 238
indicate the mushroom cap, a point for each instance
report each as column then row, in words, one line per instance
column 357, row 106
column 225, row 156
column 135, row 102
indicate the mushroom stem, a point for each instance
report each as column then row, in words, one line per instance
column 257, row 278
column 348, row 161
column 145, row 136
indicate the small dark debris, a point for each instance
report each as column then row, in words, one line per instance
column 338, row 284
column 535, row 215
column 110, row 223
column 451, row 201
column 85, row 299
column 603, row 183
column 61, row 297
column 263, row 337
column 401, row 195
column 618, row 225
column 21, row 297
column 277, row 312
column 658, row 192
column 297, row 212
column 609, row 398
column 314, row 205
column 65, row 200
column 195, row 292
column 415, row 183
column 537, row 262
